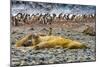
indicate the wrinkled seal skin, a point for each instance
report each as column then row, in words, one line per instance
column 40, row 42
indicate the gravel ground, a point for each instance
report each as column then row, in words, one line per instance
column 27, row 56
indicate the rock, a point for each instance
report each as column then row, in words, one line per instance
column 31, row 28
column 15, row 62
column 13, row 32
column 90, row 31
column 23, row 62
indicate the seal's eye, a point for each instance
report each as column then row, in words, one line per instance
column 35, row 36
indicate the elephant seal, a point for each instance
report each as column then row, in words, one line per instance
column 50, row 41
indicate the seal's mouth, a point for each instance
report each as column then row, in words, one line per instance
column 28, row 43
